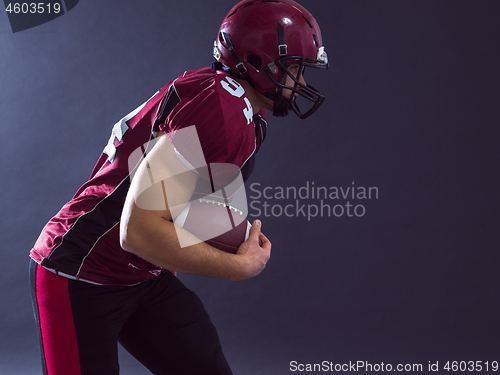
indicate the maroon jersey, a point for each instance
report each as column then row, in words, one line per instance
column 82, row 240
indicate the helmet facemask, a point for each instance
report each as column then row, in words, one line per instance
column 313, row 98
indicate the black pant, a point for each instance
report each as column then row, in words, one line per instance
column 160, row 322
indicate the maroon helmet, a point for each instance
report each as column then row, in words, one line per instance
column 260, row 39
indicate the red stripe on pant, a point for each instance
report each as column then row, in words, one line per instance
column 56, row 323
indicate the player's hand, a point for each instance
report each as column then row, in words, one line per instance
column 254, row 252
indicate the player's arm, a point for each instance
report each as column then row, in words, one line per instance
column 147, row 230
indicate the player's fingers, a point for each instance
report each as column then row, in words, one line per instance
column 255, row 230
column 264, row 242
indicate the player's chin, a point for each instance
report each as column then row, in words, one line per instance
column 287, row 94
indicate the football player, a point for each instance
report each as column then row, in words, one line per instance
column 100, row 268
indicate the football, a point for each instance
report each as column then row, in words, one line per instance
column 215, row 222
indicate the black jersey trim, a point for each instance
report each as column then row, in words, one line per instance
column 171, row 100
column 260, row 132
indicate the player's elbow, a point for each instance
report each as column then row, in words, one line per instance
column 143, row 233
column 134, row 229
column 129, row 237
column 126, row 243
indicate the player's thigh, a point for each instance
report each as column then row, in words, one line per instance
column 75, row 335
column 173, row 334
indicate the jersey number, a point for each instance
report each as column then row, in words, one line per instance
column 235, row 89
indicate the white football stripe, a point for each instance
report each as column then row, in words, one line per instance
column 248, row 230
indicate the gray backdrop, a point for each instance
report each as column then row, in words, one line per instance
column 412, row 103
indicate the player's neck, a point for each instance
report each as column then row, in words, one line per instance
column 257, row 99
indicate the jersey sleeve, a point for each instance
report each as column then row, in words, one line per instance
column 211, row 134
